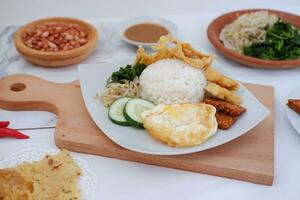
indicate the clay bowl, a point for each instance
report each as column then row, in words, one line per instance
column 61, row 58
column 217, row 25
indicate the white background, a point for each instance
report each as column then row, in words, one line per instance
column 20, row 11
column 127, row 180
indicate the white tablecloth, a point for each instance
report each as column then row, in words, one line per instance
column 127, row 180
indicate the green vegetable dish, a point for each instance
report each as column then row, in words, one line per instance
column 129, row 72
column 262, row 34
column 282, row 43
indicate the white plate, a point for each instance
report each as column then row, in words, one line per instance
column 93, row 79
column 146, row 19
column 293, row 117
column 88, row 182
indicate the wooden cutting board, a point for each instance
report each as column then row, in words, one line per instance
column 248, row 158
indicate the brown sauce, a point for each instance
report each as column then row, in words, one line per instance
column 145, row 32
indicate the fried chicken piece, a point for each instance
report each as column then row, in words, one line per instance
column 294, row 104
column 222, row 93
column 225, row 107
column 225, row 121
column 214, row 76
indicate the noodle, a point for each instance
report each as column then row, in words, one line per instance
column 115, row 90
column 247, row 29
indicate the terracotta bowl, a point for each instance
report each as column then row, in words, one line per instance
column 217, row 25
column 61, row 58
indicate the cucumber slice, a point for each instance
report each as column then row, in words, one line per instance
column 115, row 112
column 133, row 110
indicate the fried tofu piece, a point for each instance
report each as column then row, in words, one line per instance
column 214, row 76
column 225, row 121
column 222, row 93
column 294, row 104
column 225, row 107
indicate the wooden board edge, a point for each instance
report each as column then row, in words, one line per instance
column 234, row 174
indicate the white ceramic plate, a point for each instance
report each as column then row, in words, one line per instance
column 93, row 79
column 88, row 181
column 293, row 117
column 146, row 19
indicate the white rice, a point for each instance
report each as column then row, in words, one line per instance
column 170, row 81
column 247, row 29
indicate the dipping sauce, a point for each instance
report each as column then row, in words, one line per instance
column 145, row 32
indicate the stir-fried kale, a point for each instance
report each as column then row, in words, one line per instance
column 282, row 43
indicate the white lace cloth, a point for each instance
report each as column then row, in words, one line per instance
column 88, row 181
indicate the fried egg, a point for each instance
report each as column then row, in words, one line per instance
column 181, row 125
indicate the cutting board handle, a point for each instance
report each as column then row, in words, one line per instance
column 25, row 92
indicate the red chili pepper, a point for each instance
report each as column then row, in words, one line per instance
column 7, row 132
column 4, row 124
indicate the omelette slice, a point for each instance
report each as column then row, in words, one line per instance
column 181, row 125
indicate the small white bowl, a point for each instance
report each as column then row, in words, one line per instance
column 121, row 28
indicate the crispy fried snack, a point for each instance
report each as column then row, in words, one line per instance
column 143, row 57
column 14, row 185
column 225, row 107
column 182, row 51
column 214, row 76
column 222, row 93
column 225, row 121
column 294, row 104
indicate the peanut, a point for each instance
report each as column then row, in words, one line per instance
column 54, row 37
